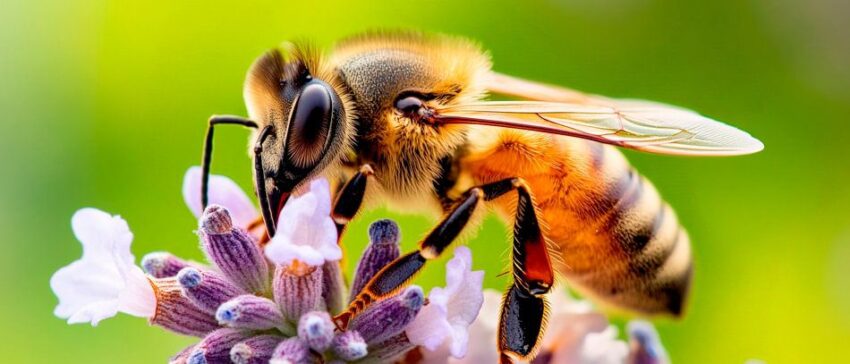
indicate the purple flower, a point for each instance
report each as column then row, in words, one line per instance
column 251, row 307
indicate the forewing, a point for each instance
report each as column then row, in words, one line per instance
column 644, row 126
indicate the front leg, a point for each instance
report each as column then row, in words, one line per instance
column 524, row 309
column 350, row 198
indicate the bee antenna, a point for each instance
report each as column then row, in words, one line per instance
column 206, row 162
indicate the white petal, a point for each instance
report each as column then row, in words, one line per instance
column 104, row 280
column 467, row 297
column 321, row 188
column 482, row 334
column 282, row 251
column 138, row 297
column 306, row 230
column 459, row 340
column 452, row 309
column 222, row 191
column 430, row 327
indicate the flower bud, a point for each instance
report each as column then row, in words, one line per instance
column 317, row 330
column 349, row 346
column 251, row 312
column 298, row 290
column 383, row 248
column 177, row 313
column 233, row 251
column 205, row 288
column 162, row 264
column 255, row 350
column 215, row 347
column 387, row 318
column 291, row 351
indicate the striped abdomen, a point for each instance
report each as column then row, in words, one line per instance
column 615, row 239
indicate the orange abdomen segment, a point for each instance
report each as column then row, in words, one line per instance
column 613, row 238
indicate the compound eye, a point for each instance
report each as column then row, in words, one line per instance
column 410, row 106
column 310, row 124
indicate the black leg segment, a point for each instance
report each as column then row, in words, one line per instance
column 206, row 161
column 522, row 323
column 350, row 197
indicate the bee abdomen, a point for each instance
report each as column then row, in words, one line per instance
column 640, row 255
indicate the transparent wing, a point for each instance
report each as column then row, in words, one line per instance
column 637, row 125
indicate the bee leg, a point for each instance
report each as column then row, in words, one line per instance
column 208, row 148
column 524, row 307
column 349, row 199
column 398, row 273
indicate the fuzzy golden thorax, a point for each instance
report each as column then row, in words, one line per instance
column 381, row 69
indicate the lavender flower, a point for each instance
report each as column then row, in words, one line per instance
column 250, row 307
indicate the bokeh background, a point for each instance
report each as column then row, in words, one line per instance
column 103, row 103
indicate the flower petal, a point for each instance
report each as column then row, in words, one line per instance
column 222, row 191
column 451, row 309
column 104, row 280
column 306, row 231
column 430, row 328
column 466, row 298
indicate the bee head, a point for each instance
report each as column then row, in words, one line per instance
column 303, row 125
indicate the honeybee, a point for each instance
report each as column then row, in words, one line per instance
column 403, row 119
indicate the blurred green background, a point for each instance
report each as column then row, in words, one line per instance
column 104, row 104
